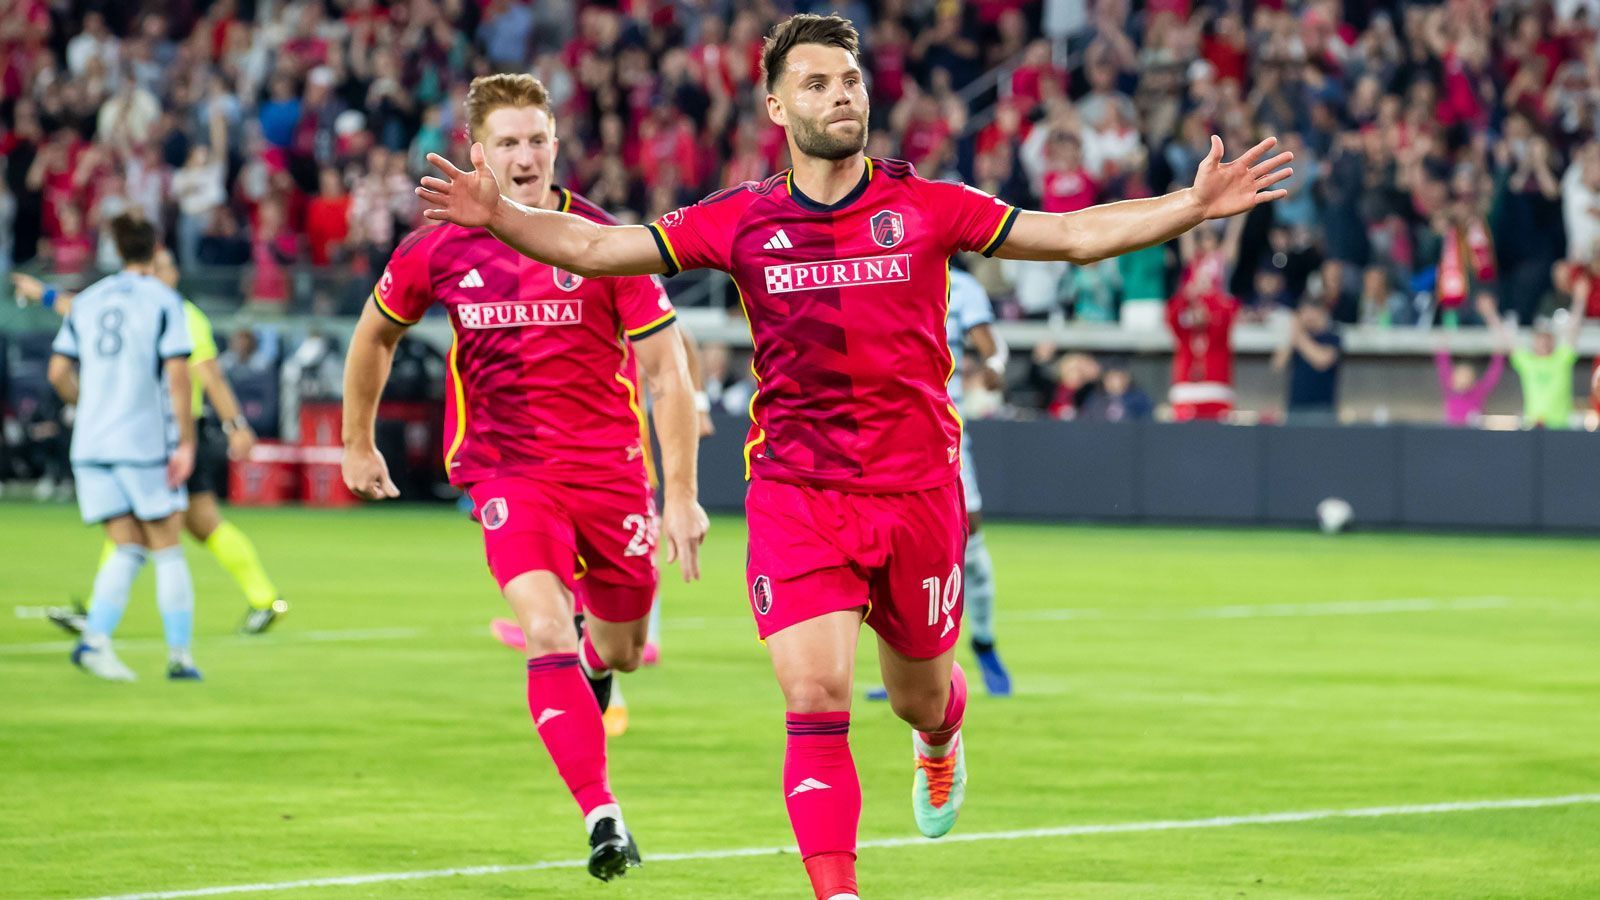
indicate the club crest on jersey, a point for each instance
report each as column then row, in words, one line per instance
column 566, row 280
column 519, row 313
column 494, row 514
column 761, row 594
column 888, row 228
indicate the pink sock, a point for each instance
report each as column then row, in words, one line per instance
column 568, row 720
column 591, row 656
column 954, row 709
column 824, row 798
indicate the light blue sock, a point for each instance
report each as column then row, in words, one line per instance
column 979, row 590
column 653, row 632
column 175, row 597
column 111, row 586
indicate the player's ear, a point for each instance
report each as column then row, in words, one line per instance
column 775, row 111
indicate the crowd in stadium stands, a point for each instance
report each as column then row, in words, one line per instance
column 1445, row 152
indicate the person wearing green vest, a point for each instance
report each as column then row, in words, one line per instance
column 232, row 549
column 1546, row 369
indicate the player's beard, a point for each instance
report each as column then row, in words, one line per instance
column 814, row 139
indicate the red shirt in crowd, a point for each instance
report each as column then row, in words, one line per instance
column 1201, row 320
column 1068, row 191
column 327, row 226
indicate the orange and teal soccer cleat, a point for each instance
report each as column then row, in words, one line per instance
column 938, row 786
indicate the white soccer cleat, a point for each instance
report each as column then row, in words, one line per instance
column 101, row 662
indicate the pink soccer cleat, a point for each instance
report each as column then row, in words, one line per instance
column 509, row 633
column 652, row 653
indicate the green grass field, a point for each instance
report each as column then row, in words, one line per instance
column 1164, row 675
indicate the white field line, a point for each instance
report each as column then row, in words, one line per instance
column 64, row 644
column 1278, row 818
column 1268, row 610
column 1137, row 614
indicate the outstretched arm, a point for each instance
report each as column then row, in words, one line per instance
column 1220, row 190
column 473, row 200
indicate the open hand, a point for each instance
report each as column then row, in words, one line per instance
column 1227, row 189
column 466, row 198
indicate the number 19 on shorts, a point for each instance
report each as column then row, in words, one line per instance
column 942, row 594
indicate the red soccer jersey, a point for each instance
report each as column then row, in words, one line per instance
column 538, row 370
column 846, row 305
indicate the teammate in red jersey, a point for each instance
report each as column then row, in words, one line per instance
column 855, row 506
column 543, row 431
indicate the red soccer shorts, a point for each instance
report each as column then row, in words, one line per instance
column 599, row 539
column 815, row 551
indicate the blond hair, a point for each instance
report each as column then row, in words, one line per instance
column 491, row 92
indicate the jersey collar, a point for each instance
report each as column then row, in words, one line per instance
column 811, row 205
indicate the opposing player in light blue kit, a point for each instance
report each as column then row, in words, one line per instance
column 122, row 356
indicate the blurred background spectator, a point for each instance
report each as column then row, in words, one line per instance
column 1311, row 355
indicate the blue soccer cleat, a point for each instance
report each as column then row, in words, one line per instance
column 180, row 667
column 996, row 680
column 878, row 693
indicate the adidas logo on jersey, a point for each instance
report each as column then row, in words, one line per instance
column 810, row 784
column 546, row 715
column 779, row 241
column 471, row 280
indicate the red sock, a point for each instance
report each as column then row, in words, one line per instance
column 824, row 799
column 568, row 720
column 954, row 709
column 591, row 656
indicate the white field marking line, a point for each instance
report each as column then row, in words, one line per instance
column 1278, row 818
column 291, row 637
column 1268, row 610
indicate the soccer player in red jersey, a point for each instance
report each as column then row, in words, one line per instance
column 855, row 508
column 543, row 431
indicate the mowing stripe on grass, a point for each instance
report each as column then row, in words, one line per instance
column 1136, row 614
column 1278, row 818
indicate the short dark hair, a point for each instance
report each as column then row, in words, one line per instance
column 135, row 238
column 805, row 28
